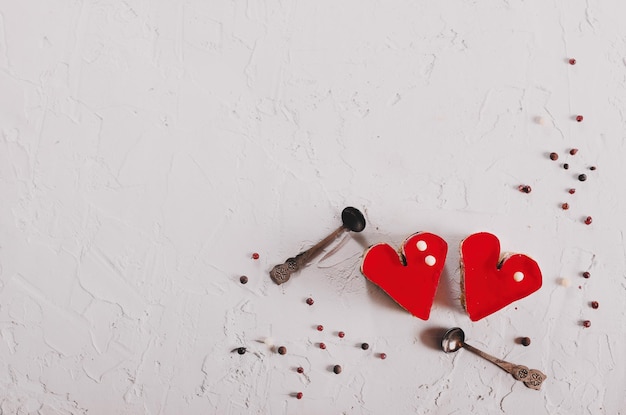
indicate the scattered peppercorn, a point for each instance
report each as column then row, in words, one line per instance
column 309, row 301
column 383, row 356
column 572, row 191
column 241, row 350
column 320, row 327
column 365, row 346
column 525, row 341
column 524, row 188
column 341, row 334
column 582, row 177
column 592, row 168
column 282, row 350
column 565, row 166
column 299, row 395
column 572, row 61
column 587, row 323
column 337, row 369
column 586, row 274
column 579, row 118
column 255, row 256
column 300, row 369
column 573, row 151
column 322, row 346
column 594, row 304
column 243, row 279
column 554, row 156
column 588, row 220
column 565, row 206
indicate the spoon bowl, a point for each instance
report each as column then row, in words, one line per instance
column 353, row 220
column 452, row 340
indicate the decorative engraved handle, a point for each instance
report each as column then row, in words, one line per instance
column 532, row 378
column 282, row 272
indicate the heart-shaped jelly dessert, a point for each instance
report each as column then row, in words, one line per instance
column 490, row 282
column 411, row 275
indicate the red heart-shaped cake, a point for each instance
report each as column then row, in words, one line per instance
column 411, row 275
column 490, row 282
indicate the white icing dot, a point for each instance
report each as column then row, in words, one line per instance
column 430, row 260
column 421, row 245
column 518, row 276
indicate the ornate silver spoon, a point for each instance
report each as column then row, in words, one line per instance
column 353, row 220
column 454, row 339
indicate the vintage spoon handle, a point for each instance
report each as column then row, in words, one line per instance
column 532, row 378
column 305, row 257
column 282, row 272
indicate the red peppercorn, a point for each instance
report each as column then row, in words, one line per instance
column 300, row 369
column 554, row 156
column 322, row 346
column 524, row 188
column 572, row 191
column 341, row 334
column 579, row 118
column 573, row 151
column 586, row 274
column 565, row 206
column 383, row 356
column 320, row 327
column 309, row 301
column 587, row 323
column 299, row 395
column 588, row 220
column 255, row 255
column 594, row 304
column 572, row 61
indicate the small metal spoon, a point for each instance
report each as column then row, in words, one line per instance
column 353, row 220
column 454, row 339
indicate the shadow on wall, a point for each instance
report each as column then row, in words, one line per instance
column 431, row 337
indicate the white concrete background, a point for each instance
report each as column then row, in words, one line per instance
column 148, row 148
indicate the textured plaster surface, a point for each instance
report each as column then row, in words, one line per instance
column 148, row 148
